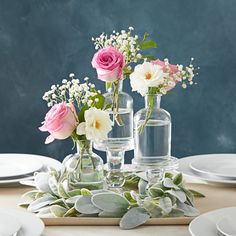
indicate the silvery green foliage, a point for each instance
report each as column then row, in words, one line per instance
column 59, row 195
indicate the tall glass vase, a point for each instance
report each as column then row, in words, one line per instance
column 85, row 167
column 152, row 136
column 120, row 138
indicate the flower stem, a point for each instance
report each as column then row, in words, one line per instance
column 148, row 113
column 115, row 103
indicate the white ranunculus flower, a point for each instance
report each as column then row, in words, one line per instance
column 97, row 124
column 146, row 75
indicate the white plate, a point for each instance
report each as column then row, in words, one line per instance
column 222, row 166
column 31, row 225
column 205, row 224
column 226, row 225
column 184, row 167
column 12, row 165
column 46, row 161
column 9, row 225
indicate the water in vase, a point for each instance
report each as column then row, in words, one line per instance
column 153, row 144
column 121, row 137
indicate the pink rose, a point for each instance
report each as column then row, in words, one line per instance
column 109, row 63
column 169, row 68
column 60, row 122
column 172, row 71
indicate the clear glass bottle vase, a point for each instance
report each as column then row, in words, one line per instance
column 152, row 136
column 85, row 167
column 120, row 138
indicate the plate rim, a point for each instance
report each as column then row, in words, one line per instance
column 38, row 166
column 185, row 169
column 17, row 180
column 12, row 211
column 211, row 173
column 204, row 215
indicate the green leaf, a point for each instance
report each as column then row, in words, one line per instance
column 188, row 210
column 41, row 202
column 58, row 211
column 72, row 200
column 85, row 191
column 52, row 181
column 153, row 209
column 134, row 217
column 108, row 85
column 126, row 72
column 168, row 183
column 85, row 206
column 41, row 182
column 180, row 195
column 131, row 182
column 178, row 179
column 101, row 100
column 155, row 192
column 24, row 204
column 196, row 193
column 81, row 113
column 176, row 213
column 166, row 205
column 145, row 36
column 129, row 197
column 149, row 57
column 117, row 214
column 70, row 212
column 107, row 106
column 62, row 191
column 110, row 202
column 74, row 192
column 31, row 194
column 168, row 175
column 60, row 202
column 142, row 184
column 147, row 44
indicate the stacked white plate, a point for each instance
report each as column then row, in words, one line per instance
column 218, row 222
column 15, row 168
column 212, row 168
column 20, row 223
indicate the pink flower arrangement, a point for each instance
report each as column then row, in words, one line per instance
column 109, row 63
column 60, row 122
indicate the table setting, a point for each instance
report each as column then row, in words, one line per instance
column 193, row 195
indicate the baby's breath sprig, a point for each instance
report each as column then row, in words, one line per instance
column 72, row 91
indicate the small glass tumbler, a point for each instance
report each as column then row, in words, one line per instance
column 154, row 176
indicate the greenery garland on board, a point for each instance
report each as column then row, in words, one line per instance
column 59, row 195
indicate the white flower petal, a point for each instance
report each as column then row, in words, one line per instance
column 81, row 129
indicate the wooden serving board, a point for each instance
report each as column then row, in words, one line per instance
column 216, row 197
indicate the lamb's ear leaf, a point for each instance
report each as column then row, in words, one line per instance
column 58, row 211
column 187, row 209
column 178, row 179
column 134, row 217
column 84, row 205
column 110, row 202
column 166, row 205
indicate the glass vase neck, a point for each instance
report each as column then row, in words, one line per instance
column 84, row 146
column 156, row 99
column 116, row 85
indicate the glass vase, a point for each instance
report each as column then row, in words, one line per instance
column 152, row 136
column 85, row 167
column 120, row 138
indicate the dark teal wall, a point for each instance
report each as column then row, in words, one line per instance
column 41, row 41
